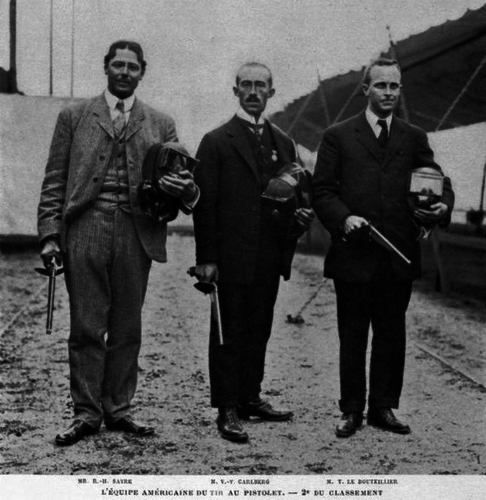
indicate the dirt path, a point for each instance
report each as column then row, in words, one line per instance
column 444, row 408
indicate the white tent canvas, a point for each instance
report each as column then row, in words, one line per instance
column 26, row 128
column 461, row 152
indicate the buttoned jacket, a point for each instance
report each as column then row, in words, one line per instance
column 228, row 215
column 354, row 176
column 79, row 156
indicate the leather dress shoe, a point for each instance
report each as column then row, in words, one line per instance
column 350, row 422
column 264, row 410
column 127, row 424
column 385, row 419
column 230, row 426
column 77, row 431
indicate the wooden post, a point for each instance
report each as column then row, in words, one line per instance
column 12, row 80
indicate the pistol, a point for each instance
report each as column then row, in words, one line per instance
column 380, row 239
column 52, row 271
column 210, row 288
column 370, row 231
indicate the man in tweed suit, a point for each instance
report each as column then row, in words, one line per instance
column 89, row 217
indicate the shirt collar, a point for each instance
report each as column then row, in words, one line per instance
column 112, row 100
column 373, row 119
column 249, row 118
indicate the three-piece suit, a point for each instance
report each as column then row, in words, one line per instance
column 354, row 175
column 233, row 230
column 89, row 201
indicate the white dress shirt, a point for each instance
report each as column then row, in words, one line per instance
column 373, row 121
column 112, row 100
column 250, row 118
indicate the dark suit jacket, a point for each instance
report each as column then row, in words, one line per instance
column 352, row 177
column 78, row 160
column 227, row 216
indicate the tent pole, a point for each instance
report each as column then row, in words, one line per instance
column 323, row 99
column 481, row 203
column 51, row 30
column 12, row 74
column 73, row 8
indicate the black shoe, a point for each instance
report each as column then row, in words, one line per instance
column 127, row 424
column 77, row 431
column 384, row 419
column 264, row 410
column 229, row 425
column 350, row 422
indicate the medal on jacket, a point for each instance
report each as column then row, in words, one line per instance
column 274, row 155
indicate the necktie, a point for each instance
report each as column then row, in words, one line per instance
column 119, row 121
column 258, row 129
column 383, row 137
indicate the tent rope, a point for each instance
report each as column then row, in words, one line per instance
column 463, row 91
column 348, row 102
column 299, row 113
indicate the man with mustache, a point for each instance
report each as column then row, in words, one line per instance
column 90, row 219
column 362, row 176
column 239, row 246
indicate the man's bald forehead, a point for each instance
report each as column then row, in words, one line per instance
column 254, row 65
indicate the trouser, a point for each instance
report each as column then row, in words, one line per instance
column 236, row 369
column 381, row 302
column 107, row 273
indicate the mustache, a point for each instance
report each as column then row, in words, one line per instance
column 252, row 98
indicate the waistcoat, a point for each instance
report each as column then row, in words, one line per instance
column 114, row 191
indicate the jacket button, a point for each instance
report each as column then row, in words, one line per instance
column 102, row 157
column 95, row 179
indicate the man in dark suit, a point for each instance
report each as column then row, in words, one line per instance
column 89, row 217
column 239, row 245
column 362, row 176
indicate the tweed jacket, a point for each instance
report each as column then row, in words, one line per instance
column 353, row 176
column 227, row 216
column 79, row 156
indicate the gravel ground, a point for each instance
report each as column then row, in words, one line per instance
column 443, row 398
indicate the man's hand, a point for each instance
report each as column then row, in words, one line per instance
column 352, row 223
column 207, row 272
column 433, row 215
column 179, row 185
column 304, row 217
column 50, row 249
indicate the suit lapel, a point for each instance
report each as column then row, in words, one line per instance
column 397, row 134
column 278, row 138
column 101, row 111
column 241, row 144
column 368, row 139
column 136, row 117
column 365, row 135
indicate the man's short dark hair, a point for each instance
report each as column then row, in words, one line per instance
column 126, row 44
column 254, row 64
column 382, row 61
